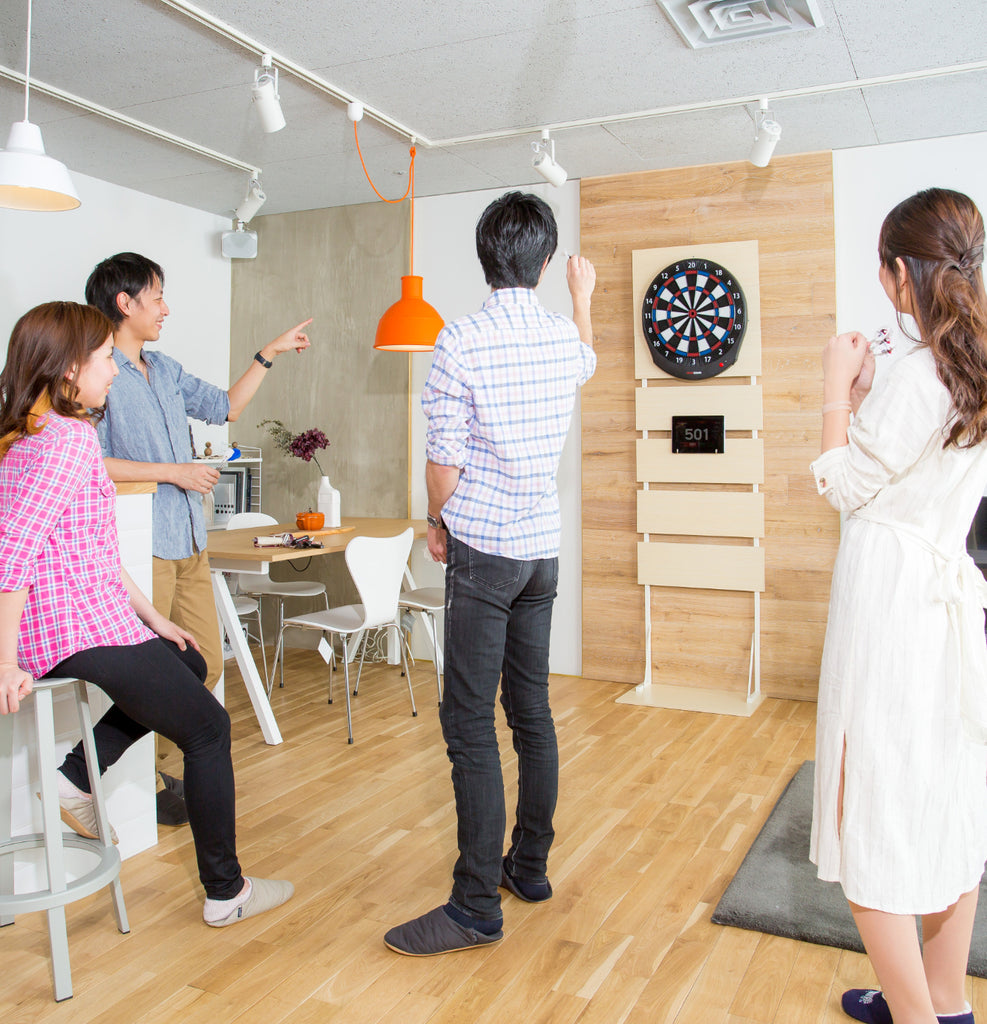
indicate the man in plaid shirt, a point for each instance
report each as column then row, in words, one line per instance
column 499, row 400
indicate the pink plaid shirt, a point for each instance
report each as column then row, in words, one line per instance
column 58, row 539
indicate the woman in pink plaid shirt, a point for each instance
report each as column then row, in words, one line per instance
column 68, row 607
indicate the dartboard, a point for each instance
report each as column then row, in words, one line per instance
column 694, row 319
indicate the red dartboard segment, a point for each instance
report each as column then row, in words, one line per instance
column 694, row 319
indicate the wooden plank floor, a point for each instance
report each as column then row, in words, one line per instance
column 656, row 812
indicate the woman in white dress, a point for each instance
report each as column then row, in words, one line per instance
column 900, row 810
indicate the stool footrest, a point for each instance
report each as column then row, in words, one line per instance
column 105, row 871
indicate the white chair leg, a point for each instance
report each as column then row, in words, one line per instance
column 332, row 662
column 99, row 803
column 278, row 656
column 363, row 654
column 281, row 633
column 331, row 666
column 430, row 620
column 263, row 651
column 346, row 671
column 407, row 674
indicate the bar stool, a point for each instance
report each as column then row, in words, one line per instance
column 59, row 892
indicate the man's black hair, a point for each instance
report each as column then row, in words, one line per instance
column 126, row 272
column 514, row 236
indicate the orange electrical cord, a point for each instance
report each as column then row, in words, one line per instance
column 409, row 190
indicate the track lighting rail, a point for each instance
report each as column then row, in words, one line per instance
column 128, row 122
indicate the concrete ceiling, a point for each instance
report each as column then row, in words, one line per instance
column 450, row 69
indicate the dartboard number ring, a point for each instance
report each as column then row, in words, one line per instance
column 694, row 319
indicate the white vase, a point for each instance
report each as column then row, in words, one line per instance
column 328, row 503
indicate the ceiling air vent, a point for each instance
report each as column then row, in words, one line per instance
column 710, row 22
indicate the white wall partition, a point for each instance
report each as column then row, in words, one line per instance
column 871, row 180
column 46, row 256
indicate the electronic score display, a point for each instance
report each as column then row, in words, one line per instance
column 698, row 435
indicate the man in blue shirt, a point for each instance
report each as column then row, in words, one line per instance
column 145, row 437
column 499, row 399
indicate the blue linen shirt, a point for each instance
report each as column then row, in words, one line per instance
column 149, row 423
column 499, row 399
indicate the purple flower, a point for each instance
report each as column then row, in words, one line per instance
column 302, row 446
column 305, row 445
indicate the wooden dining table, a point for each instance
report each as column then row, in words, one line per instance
column 234, row 551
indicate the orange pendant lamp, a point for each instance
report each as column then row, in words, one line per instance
column 411, row 324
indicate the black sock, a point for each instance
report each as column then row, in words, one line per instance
column 534, row 891
column 476, row 923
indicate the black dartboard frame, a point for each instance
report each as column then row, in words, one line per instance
column 694, row 318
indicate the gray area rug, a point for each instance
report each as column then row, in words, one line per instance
column 776, row 889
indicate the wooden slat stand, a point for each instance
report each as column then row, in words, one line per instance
column 715, row 498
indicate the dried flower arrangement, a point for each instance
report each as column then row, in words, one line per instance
column 302, row 446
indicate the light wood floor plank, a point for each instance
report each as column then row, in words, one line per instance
column 657, row 809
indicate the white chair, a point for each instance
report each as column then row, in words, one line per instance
column 261, row 585
column 377, row 567
column 245, row 607
column 426, row 601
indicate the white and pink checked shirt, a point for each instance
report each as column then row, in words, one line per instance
column 58, row 539
column 499, row 399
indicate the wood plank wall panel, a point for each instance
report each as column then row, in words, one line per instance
column 700, row 513
column 702, row 566
column 702, row 638
column 739, row 404
column 658, row 464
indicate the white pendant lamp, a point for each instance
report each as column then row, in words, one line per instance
column 29, row 178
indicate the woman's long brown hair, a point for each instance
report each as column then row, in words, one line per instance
column 939, row 236
column 47, row 344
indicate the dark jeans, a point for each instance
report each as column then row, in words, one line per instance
column 497, row 625
column 156, row 687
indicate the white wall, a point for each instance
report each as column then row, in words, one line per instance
column 46, row 256
column 445, row 257
column 868, row 183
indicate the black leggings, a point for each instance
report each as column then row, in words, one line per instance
column 156, row 687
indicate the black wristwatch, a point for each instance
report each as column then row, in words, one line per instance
column 436, row 524
column 266, row 363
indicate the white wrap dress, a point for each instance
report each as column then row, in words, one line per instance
column 903, row 681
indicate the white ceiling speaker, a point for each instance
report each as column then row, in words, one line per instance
column 767, row 132
column 265, row 96
column 240, row 244
column 544, row 161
